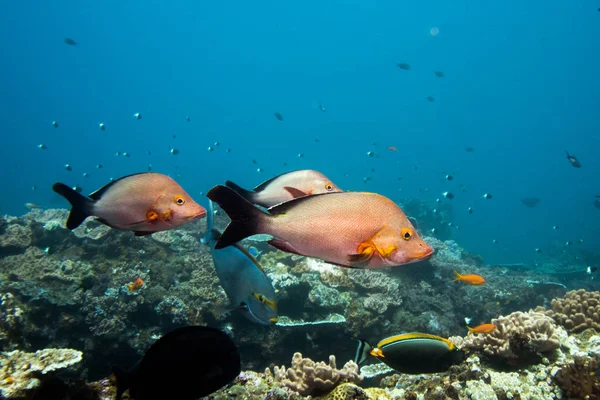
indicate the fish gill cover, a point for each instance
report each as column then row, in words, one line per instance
column 480, row 122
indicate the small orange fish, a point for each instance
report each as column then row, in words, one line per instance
column 392, row 148
column 483, row 328
column 136, row 285
column 470, row 279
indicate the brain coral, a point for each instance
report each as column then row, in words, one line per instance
column 576, row 311
column 517, row 334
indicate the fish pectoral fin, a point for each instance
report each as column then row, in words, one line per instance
column 265, row 300
column 142, row 233
column 364, row 253
column 295, row 192
column 283, row 246
column 357, row 259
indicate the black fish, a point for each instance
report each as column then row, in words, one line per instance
column 469, row 149
column 185, row 364
column 70, row 42
column 430, row 99
column 412, row 353
column 278, row 116
column 439, row 74
column 51, row 389
column 573, row 160
column 530, row 201
column 54, row 388
column 404, row 66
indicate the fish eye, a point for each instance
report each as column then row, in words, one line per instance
column 328, row 186
column 406, row 234
column 179, row 200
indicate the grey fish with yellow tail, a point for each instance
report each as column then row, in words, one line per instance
column 412, row 353
column 288, row 186
column 144, row 203
column 247, row 286
column 350, row 229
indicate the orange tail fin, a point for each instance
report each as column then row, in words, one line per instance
column 458, row 276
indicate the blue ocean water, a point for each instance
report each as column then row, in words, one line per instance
column 521, row 86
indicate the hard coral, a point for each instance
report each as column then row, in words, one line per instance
column 307, row 377
column 517, row 336
column 19, row 371
column 347, row 391
column 577, row 379
column 576, row 311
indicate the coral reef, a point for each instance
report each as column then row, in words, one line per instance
column 20, row 372
column 578, row 379
column 518, row 336
column 307, row 377
column 576, row 311
column 63, row 289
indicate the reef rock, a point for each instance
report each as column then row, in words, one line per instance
column 20, row 371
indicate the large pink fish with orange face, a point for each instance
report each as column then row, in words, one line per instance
column 144, row 203
column 350, row 229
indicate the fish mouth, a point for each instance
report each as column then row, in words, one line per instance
column 199, row 214
column 273, row 320
column 424, row 255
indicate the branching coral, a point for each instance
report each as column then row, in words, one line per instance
column 576, row 311
column 517, row 335
column 309, row 378
column 19, row 371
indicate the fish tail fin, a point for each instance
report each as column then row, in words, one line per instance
column 246, row 219
column 247, row 194
column 458, row 276
column 80, row 205
column 362, row 351
column 209, row 235
column 471, row 330
column 123, row 379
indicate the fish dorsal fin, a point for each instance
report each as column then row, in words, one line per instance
column 414, row 335
column 295, row 192
column 266, row 183
column 100, row 192
column 250, row 256
column 282, row 208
